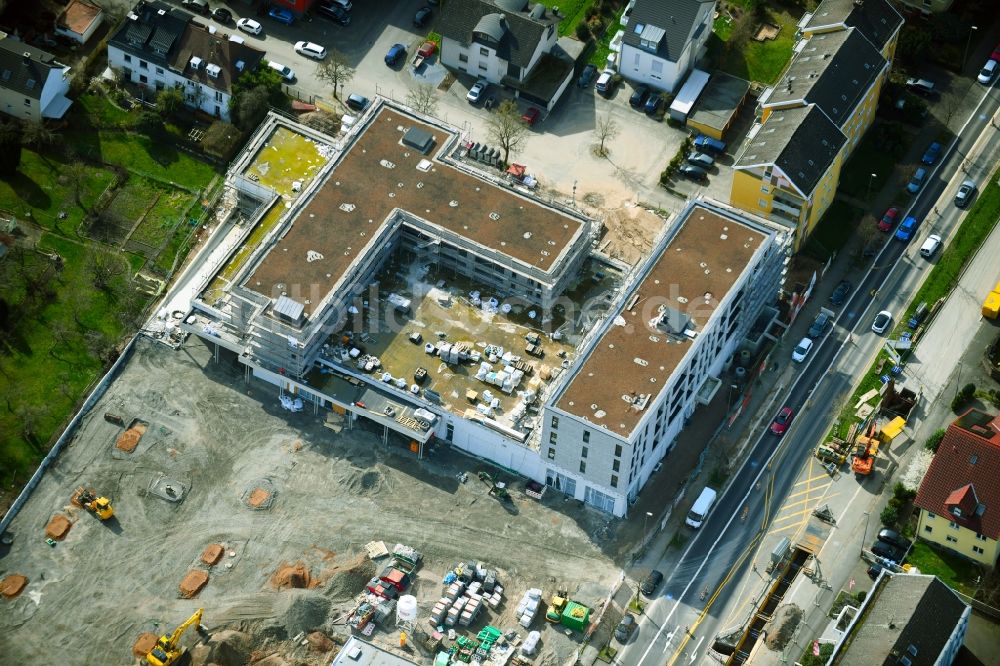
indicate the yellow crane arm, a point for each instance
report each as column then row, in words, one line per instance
column 179, row 631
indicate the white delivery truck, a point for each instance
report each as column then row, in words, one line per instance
column 701, row 507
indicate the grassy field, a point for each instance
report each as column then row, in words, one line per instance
column 164, row 215
column 602, row 47
column 573, row 12
column 957, row 572
column 762, row 62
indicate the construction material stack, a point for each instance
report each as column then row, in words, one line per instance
column 528, row 607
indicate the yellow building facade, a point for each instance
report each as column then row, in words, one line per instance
column 943, row 531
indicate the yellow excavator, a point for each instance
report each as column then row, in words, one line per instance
column 168, row 648
column 100, row 506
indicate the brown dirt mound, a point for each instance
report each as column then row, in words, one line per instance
column 258, row 497
column 292, row 576
column 319, row 642
column 144, row 644
column 349, row 577
column 192, row 583
column 58, row 527
column 13, row 585
column 128, row 440
column 212, row 553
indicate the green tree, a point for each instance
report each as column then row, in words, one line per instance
column 251, row 107
column 149, row 123
column 169, row 102
column 10, row 148
column 36, row 133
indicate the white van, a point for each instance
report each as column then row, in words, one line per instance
column 930, row 246
column 284, row 70
column 701, row 507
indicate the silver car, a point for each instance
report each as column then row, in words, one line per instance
column 882, row 321
column 703, row 160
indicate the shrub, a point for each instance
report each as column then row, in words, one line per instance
column 583, row 32
column 861, row 595
column 889, row 516
column 934, row 441
column 963, row 398
column 902, row 493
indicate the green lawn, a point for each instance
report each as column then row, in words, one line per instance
column 573, row 12
column 163, row 217
column 762, row 62
column 954, row 570
column 602, row 47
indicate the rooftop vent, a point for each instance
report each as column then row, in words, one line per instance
column 195, row 63
column 213, row 70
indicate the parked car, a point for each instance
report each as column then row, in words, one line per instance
column 894, row 538
column 888, row 551
column 906, row 229
column 606, row 83
column 357, row 102
column 916, row 180
column 281, row 15
column 932, row 154
column 624, row 630
column 651, row 582
column 966, row 191
column 841, row 293
column 707, row 144
column 475, row 94
column 222, row 15
column 988, row 71
column 930, row 246
column 819, row 325
column 531, row 116
column 692, row 172
column 197, row 6
column 922, row 86
column 284, row 71
column 310, row 50
column 653, row 105
column 249, row 26
column 802, row 350
column 335, row 13
column 888, row 220
column 639, row 96
column 704, row 160
column 422, row 16
column 587, row 76
column 782, row 420
column 874, row 570
column 882, row 321
column 395, row 53
column 343, row 4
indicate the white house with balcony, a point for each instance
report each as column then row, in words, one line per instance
column 663, row 40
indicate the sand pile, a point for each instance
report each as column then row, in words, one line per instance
column 144, row 644
column 349, row 578
column 303, row 610
column 292, row 576
column 192, row 583
column 13, row 585
column 58, row 527
column 212, row 553
column 258, row 497
column 128, row 440
column 229, row 648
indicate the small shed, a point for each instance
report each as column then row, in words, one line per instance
column 79, row 21
column 418, row 139
column 718, row 105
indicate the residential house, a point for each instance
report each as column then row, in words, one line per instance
column 928, row 6
column 663, row 40
column 877, row 20
column 508, row 42
column 159, row 46
column 789, row 168
column 33, row 84
column 906, row 620
column 79, row 21
column 959, row 496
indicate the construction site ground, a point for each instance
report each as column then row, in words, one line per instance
column 292, row 504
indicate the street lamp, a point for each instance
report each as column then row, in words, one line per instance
column 871, row 177
column 645, row 523
column 968, row 42
column 864, row 536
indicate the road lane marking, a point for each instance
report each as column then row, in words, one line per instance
column 694, row 651
column 809, row 490
column 824, row 475
column 795, row 514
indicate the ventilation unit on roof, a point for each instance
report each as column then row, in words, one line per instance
column 240, row 65
column 195, row 63
column 213, row 70
column 161, row 12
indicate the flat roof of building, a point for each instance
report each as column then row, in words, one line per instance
column 357, row 652
column 378, row 174
column 632, row 357
column 719, row 101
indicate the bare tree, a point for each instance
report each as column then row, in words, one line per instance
column 335, row 71
column 506, row 128
column 423, row 99
column 103, row 268
column 29, row 415
column 741, row 31
column 76, row 176
column 606, row 130
column 36, row 133
column 868, row 233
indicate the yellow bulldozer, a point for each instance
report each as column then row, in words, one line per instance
column 168, row 648
column 99, row 506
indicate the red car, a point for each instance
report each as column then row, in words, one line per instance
column 889, row 220
column 996, row 53
column 782, row 420
column 531, row 116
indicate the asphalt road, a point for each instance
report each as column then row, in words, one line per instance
column 683, row 618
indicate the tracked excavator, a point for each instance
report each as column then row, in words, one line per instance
column 168, row 648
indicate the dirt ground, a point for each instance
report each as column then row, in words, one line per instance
column 215, row 439
column 630, row 232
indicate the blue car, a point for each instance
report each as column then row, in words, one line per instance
column 916, row 181
column 282, row 15
column 396, row 51
column 932, row 154
column 705, row 144
column 906, row 229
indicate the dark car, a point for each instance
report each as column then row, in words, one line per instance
column 651, row 582
column 639, row 97
column 874, row 570
column 653, row 105
column 625, row 628
column 197, row 6
column 422, row 16
column 356, row 102
column 692, row 172
column 708, row 144
column 222, row 15
column 841, row 293
column 782, row 420
column 334, row 13
column 819, row 325
column 966, row 191
column 888, row 551
column 281, row 15
column 932, row 154
column 704, row 160
column 587, row 76
column 888, row 220
column 395, row 53
column 894, row 538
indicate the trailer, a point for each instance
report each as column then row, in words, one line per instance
column 426, row 50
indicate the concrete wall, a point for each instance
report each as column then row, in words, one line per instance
column 484, row 442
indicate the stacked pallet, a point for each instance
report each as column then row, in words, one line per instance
column 528, row 606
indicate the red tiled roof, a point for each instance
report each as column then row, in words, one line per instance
column 78, row 16
column 965, row 473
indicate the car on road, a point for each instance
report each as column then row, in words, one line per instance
column 707, row 144
column 197, row 6
column 881, row 323
column 704, row 160
column 531, row 116
column 356, row 102
column 692, row 172
column 639, row 96
column 988, row 71
column 335, row 13
column 653, row 105
column 916, row 180
column 281, row 15
column 888, row 220
column 475, row 94
column 651, row 582
column 422, row 16
column 932, row 154
column 606, row 83
column 395, row 53
column 310, row 50
column 894, row 538
column 930, row 246
column 921, row 86
column 781, row 422
column 802, row 350
column 966, row 191
column 888, row 551
column 249, row 26
column 906, row 229
column 284, row 71
column 624, row 630
column 819, row 325
column 841, row 293
column 222, row 15
column 587, row 76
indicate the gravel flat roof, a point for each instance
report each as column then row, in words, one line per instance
column 378, row 174
column 633, row 356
